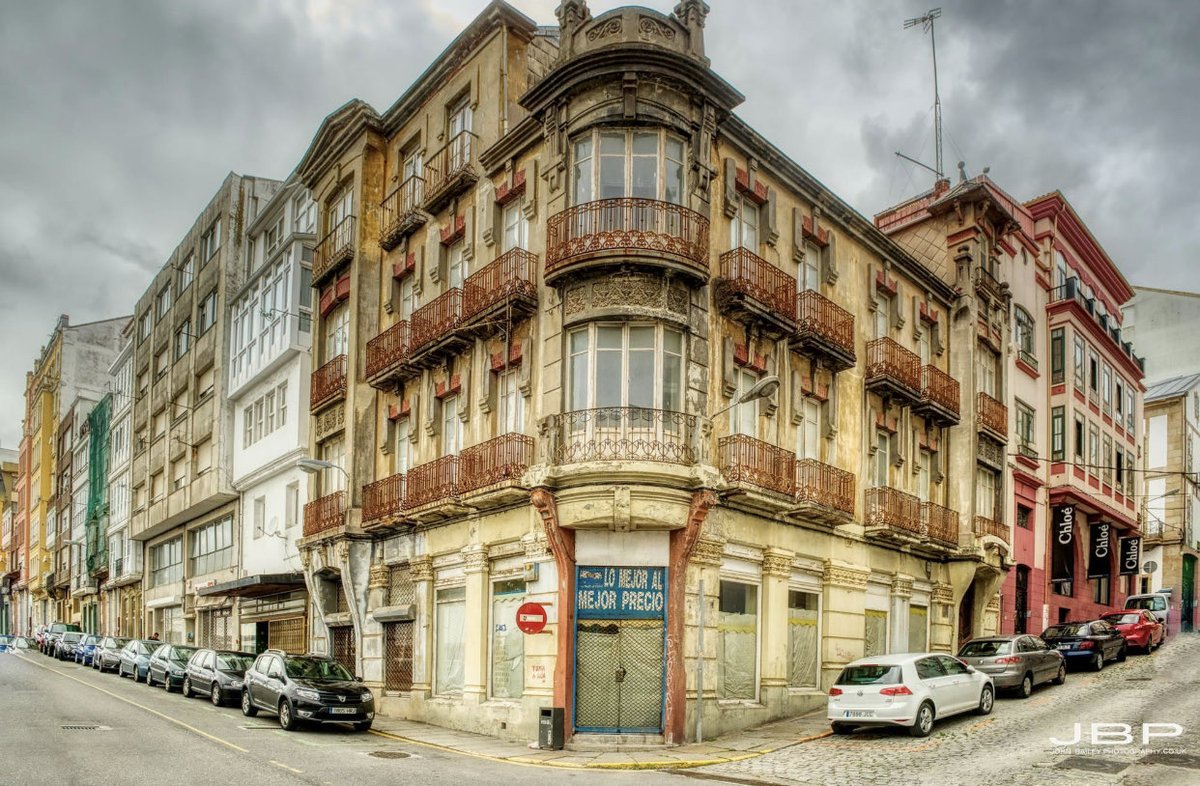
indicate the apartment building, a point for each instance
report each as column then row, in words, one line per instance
column 73, row 364
column 121, row 593
column 17, row 571
column 184, row 503
column 1163, row 321
column 9, row 559
column 266, row 603
column 78, row 586
column 586, row 339
column 1171, row 505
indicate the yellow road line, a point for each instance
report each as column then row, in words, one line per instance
column 162, row 715
column 285, row 767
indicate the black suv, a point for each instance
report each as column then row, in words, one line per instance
column 301, row 688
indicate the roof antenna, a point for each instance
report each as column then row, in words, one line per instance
column 926, row 23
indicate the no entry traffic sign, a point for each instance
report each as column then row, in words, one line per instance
column 531, row 617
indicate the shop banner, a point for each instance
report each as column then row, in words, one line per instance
column 1100, row 551
column 1063, row 552
column 620, row 593
column 1131, row 556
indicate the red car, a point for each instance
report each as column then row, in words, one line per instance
column 1140, row 628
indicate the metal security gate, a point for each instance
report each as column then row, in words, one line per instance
column 216, row 629
column 288, row 635
column 619, row 675
column 397, row 656
column 343, row 647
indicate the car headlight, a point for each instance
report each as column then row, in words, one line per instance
column 368, row 696
column 305, row 693
column 235, row 683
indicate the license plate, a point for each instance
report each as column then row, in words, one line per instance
column 343, row 710
column 859, row 714
column 1064, row 646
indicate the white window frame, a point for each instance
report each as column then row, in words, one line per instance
column 586, row 164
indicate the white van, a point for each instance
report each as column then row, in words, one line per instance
column 1159, row 603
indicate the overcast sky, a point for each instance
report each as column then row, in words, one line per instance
column 120, row 119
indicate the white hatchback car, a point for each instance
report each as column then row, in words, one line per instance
column 910, row 690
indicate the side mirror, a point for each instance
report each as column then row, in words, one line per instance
column 358, row 678
column 970, row 669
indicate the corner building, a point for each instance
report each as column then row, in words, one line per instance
column 546, row 276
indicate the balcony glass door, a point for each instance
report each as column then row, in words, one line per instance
column 460, row 136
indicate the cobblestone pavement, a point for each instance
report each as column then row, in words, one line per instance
column 1013, row 745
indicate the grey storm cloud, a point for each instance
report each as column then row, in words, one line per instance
column 118, row 120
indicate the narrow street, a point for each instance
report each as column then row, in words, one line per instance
column 1013, row 745
column 147, row 736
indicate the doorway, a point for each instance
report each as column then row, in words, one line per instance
column 966, row 616
column 619, row 674
column 1021, row 598
column 1187, row 607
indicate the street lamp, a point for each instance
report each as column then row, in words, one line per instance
column 764, row 388
column 316, row 466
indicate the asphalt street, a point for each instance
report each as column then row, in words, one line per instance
column 147, row 736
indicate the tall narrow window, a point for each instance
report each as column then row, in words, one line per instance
column 511, row 417
column 808, row 439
column 1106, row 388
column 1080, row 436
column 516, row 227
column 1106, row 459
column 508, row 642
column 743, row 229
column 1025, row 430
column 809, row 269
column 452, row 427
column 456, row 266
column 1080, row 364
column 743, row 418
column 737, row 641
column 803, row 644
column 985, row 371
column 403, row 450
column 924, row 467
column 1093, row 449
column 450, row 642
column 1058, row 426
column 186, row 271
column 460, row 134
column 337, row 333
column 882, row 459
column 334, row 478
column 1058, row 359
column 985, row 493
column 1023, row 328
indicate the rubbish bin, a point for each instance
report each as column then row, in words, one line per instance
column 550, row 729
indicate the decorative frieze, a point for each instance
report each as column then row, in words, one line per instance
column 707, row 552
column 943, row 594
column 845, row 576
column 421, row 568
column 777, row 562
column 379, row 576
column 625, row 291
column 330, row 421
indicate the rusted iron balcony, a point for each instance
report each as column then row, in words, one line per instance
column 824, row 329
column 987, row 526
column 623, row 434
column 383, row 499
column 986, row 283
column 893, row 514
column 752, row 289
column 387, row 353
column 434, row 324
column 334, row 250
column 992, row 416
column 328, row 383
column 503, row 284
column 893, row 370
column 325, row 513
column 940, row 524
column 400, row 213
column 502, row 459
column 824, row 492
column 939, row 396
column 744, row 459
column 432, row 481
column 450, row 170
column 627, row 229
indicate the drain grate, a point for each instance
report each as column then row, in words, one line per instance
column 1110, row 766
column 83, row 727
column 390, row 754
column 1184, row 760
column 1139, row 679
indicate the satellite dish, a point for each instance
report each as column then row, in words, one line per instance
column 1149, row 566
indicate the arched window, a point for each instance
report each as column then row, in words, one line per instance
column 1024, row 333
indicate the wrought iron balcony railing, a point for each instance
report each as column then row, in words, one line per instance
column 939, row 395
column 893, row 369
column 509, row 277
column 988, row 526
column 993, row 416
column 449, row 170
column 940, row 524
column 824, row 486
column 400, row 212
column 334, row 249
column 824, row 328
column 328, row 383
column 628, row 227
column 502, row 459
column 325, row 513
column 623, row 434
column 744, row 459
column 383, row 498
column 747, row 282
column 389, row 350
column 893, row 511
column 431, row 481
column 436, row 319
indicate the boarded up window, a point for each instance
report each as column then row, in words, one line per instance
column 450, row 641
column 508, row 642
column 802, row 639
column 737, row 636
column 875, row 633
column 918, row 629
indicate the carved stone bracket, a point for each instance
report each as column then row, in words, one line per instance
column 777, row 562
column 845, row 576
column 379, row 576
column 421, row 568
column 943, row 594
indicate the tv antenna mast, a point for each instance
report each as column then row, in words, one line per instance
column 926, row 23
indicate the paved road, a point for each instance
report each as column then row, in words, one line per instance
column 1012, row 747
column 148, row 736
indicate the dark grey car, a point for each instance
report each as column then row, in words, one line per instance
column 1015, row 662
column 107, row 656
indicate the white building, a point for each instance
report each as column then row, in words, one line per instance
column 267, row 604
column 1162, row 323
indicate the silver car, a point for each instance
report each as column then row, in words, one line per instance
column 1018, row 662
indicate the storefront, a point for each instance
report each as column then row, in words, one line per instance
column 271, row 613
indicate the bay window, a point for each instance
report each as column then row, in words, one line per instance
column 625, row 365
column 609, row 164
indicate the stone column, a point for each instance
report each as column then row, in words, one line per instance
column 901, row 595
column 372, row 632
column 942, row 619
column 843, row 623
column 776, row 571
column 706, row 565
column 421, row 571
column 475, row 635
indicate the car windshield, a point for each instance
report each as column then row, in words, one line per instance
column 150, row 645
column 1059, row 631
column 25, row 644
column 1152, row 603
column 181, row 654
column 72, row 636
column 316, row 669
column 91, row 640
column 5, row 639
column 238, row 663
column 869, row 674
column 119, row 642
column 1123, row 619
column 985, row 649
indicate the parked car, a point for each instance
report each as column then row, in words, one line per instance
column 53, row 631
column 166, row 666
column 64, row 645
column 39, row 635
column 135, row 658
column 311, row 688
column 1140, row 628
column 1092, row 643
column 20, row 645
column 218, row 674
column 1157, row 602
column 107, row 656
column 1017, row 662
column 85, row 650
column 909, row 690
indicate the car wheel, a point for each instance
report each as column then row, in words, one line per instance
column 286, row 720
column 1026, row 689
column 842, row 728
column 167, row 683
column 1062, row 675
column 214, row 694
column 186, row 689
column 987, row 699
column 362, row 726
column 1098, row 662
column 923, row 723
column 248, row 708
column 1121, row 654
